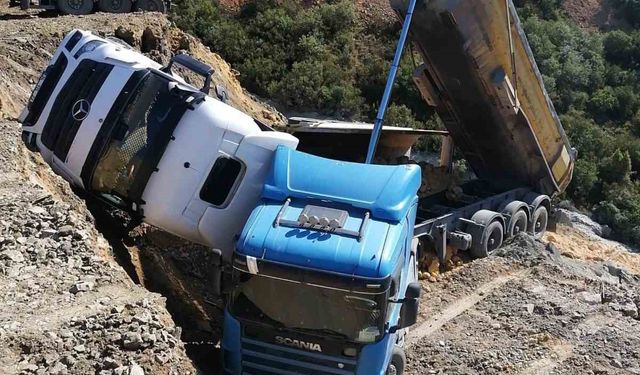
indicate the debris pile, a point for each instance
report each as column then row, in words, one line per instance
column 65, row 305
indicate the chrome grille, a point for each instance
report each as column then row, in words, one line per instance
column 259, row 358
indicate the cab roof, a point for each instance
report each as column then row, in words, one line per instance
column 387, row 192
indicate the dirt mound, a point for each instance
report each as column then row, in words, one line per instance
column 575, row 243
column 27, row 45
column 592, row 14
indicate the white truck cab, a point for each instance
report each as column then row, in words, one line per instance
column 131, row 132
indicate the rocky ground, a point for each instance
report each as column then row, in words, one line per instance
column 78, row 295
column 65, row 305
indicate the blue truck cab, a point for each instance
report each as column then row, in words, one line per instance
column 324, row 275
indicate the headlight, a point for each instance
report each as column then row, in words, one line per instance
column 88, row 47
column 38, row 86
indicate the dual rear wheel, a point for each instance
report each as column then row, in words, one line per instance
column 79, row 7
column 493, row 234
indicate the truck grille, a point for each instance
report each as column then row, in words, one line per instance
column 61, row 128
column 54, row 72
column 259, row 358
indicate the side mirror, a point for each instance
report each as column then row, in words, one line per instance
column 414, row 290
column 408, row 313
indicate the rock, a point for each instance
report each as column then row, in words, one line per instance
column 132, row 340
column 149, row 41
column 83, row 286
column 627, row 308
column 59, row 368
column 79, row 348
column 30, row 368
column 110, row 363
column 13, row 255
column 65, row 230
column 37, row 210
column 590, row 298
column 530, row 307
column 126, row 35
column 122, row 370
column 149, row 337
column 136, row 370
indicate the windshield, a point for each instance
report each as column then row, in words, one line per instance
column 310, row 309
column 133, row 137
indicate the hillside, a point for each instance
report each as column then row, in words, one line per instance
column 27, row 44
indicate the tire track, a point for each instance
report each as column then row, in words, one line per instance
column 459, row 307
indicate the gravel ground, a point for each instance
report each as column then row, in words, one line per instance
column 529, row 310
column 65, row 305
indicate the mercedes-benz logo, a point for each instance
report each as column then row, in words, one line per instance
column 80, row 109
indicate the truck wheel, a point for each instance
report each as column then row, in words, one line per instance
column 491, row 239
column 115, row 6
column 75, row 7
column 518, row 223
column 398, row 362
column 151, row 6
column 539, row 222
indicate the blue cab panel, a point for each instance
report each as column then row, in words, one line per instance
column 386, row 191
column 389, row 191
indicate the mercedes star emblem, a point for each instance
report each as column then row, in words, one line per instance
column 80, row 109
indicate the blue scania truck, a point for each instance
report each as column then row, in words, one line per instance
column 325, row 271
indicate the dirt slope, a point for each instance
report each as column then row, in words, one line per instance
column 65, row 305
column 27, row 43
column 592, row 14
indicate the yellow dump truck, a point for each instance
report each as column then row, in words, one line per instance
column 480, row 76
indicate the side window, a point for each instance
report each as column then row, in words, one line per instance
column 221, row 181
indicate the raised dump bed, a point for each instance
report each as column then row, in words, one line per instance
column 481, row 78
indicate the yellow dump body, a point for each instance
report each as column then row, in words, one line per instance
column 481, row 78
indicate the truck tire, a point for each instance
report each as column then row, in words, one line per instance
column 115, row 6
column 518, row 223
column 398, row 362
column 151, row 6
column 539, row 222
column 75, row 7
column 491, row 239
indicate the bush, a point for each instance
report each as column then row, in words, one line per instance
column 616, row 168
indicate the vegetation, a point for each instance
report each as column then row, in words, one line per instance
column 308, row 59
column 324, row 59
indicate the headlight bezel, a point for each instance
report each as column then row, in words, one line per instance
column 89, row 46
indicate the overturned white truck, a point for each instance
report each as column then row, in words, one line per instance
column 131, row 132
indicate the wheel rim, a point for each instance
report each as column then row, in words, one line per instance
column 75, row 4
column 520, row 225
column 495, row 240
column 540, row 224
